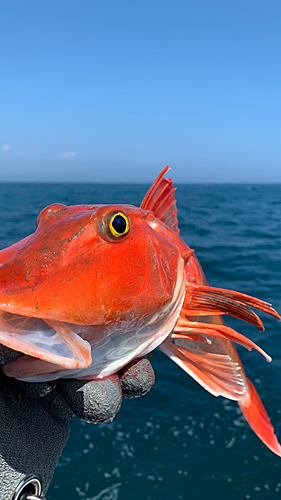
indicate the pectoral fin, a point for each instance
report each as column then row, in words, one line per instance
column 256, row 416
column 202, row 300
column 217, row 372
column 186, row 327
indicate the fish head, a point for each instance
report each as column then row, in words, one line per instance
column 91, row 264
column 109, row 267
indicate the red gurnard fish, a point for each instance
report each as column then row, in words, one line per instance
column 98, row 285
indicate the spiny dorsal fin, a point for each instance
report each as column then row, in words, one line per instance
column 160, row 199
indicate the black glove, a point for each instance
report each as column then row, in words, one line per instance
column 34, row 418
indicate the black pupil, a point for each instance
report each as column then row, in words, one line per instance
column 119, row 224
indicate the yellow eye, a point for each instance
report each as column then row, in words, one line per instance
column 118, row 224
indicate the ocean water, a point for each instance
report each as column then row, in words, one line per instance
column 179, row 442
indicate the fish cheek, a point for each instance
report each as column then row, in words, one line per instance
column 120, row 275
column 165, row 264
column 127, row 279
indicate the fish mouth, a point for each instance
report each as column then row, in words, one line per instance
column 56, row 349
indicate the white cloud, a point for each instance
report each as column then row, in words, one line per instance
column 6, row 147
column 69, row 154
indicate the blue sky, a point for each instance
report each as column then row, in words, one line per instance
column 113, row 90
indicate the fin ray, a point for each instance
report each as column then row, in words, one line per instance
column 256, row 416
column 215, row 372
column 160, row 199
column 218, row 331
column 201, row 300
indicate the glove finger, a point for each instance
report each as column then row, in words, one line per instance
column 137, row 378
column 31, row 441
column 95, row 401
column 7, row 354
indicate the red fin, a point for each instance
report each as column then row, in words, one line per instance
column 256, row 416
column 204, row 300
column 216, row 372
column 190, row 336
column 160, row 199
column 217, row 331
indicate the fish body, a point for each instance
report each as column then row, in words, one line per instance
column 96, row 286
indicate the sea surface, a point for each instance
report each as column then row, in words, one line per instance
column 179, row 442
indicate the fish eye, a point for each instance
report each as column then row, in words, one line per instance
column 118, row 224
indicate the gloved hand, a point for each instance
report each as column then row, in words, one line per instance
column 34, row 418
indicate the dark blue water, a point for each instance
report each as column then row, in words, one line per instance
column 179, row 442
